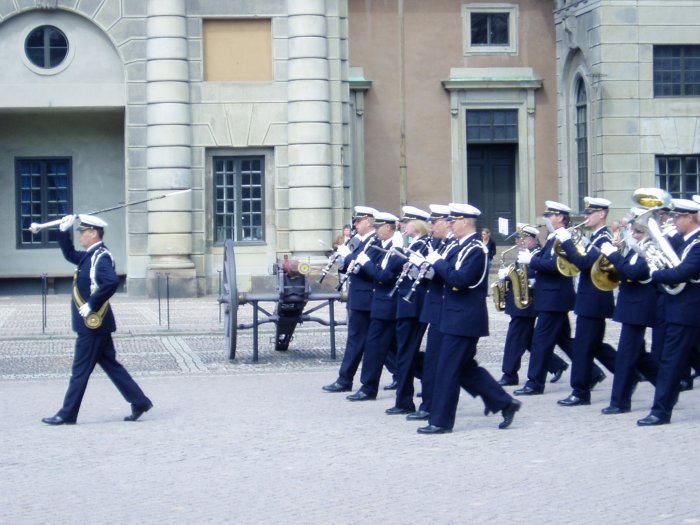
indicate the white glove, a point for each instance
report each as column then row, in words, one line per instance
column 416, row 259
column 502, row 274
column 66, row 223
column 432, row 258
column 607, row 248
column 397, row 239
column 524, row 257
column 563, row 234
column 531, row 283
column 85, row 310
column 343, row 251
column 362, row 258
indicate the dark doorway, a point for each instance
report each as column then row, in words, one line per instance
column 491, row 184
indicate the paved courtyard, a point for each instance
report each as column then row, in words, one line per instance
column 237, row 442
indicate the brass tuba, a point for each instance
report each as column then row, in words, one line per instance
column 499, row 288
column 658, row 252
column 564, row 265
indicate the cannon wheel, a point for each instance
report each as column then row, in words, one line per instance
column 229, row 298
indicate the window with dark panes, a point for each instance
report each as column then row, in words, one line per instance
column 489, row 29
column 676, row 71
column 43, row 194
column 46, row 47
column 489, row 126
column 238, row 199
column 581, row 141
column 678, row 175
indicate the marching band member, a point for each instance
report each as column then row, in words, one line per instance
column 593, row 306
column 359, row 299
column 635, row 309
column 409, row 328
column 681, row 313
column 554, row 298
column 442, row 242
column 522, row 320
column 464, row 319
column 93, row 320
column 382, row 266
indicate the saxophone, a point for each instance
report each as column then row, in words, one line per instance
column 519, row 281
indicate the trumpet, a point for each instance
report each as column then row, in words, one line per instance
column 564, row 265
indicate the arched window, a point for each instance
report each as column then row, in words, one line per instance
column 581, row 140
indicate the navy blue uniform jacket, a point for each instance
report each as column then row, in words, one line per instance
column 106, row 279
column 554, row 292
column 636, row 299
column 684, row 308
column 360, row 285
column 464, row 310
column 383, row 306
column 590, row 301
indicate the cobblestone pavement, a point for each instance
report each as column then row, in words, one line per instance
column 261, row 443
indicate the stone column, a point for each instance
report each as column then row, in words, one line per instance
column 309, row 128
column 168, row 140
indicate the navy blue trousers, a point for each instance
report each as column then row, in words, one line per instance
column 358, row 324
column 432, row 351
column 457, row 367
column 91, row 350
column 381, row 338
column 409, row 334
column 518, row 341
column 680, row 344
column 551, row 327
column 631, row 356
column 588, row 345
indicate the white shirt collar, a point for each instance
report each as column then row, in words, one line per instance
column 94, row 246
column 366, row 235
column 464, row 239
column 689, row 235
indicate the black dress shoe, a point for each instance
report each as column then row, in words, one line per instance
column 57, row 420
column 418, row 415
column 337, row 387
column 360, row 396
column 504, row 381
column 394, row 411
column 556, row 376
column 611, row 410
column 432, row 429
column 138, row 412
column 596, row 380
column 651, row 421
column 391, row 386
column 686, row 385
column 508, row 413
column 573, row 401
column 527, row 391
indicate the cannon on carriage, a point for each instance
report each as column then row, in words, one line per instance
column 291, row 298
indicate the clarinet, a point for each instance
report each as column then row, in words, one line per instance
column 333, row 258
column 423, row 270
column 351, row 266
column 407, row 267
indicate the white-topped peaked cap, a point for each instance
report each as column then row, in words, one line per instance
column 381, row 218
column 529, row 229
column 636, row 212
column 696, row 198
column 463, row 211
column 595, row 204
column 364, row 211
column 555, row 208
column 439, row 211
column 684, row 206
column 88, row 222
column 412, row 213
